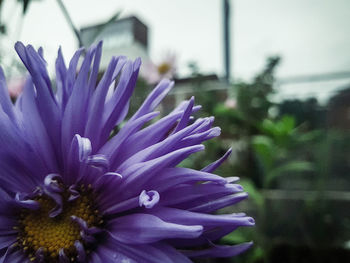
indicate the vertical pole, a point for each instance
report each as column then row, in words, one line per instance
column 226, row 10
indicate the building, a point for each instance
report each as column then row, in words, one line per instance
column 127, row 36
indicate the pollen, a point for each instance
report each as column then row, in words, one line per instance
column 38, row 230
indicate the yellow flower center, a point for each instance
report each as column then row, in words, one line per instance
column 164, row 68
column 38, row 230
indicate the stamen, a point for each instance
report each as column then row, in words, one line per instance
column 54, row 239
column 164, row 68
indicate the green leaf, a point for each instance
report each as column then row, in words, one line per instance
column 234, row 238
column 265, row 150
column 287, row 123
column 293, row 166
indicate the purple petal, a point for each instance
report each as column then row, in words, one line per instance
column 121, row 206
column 216, row 204
column 211, row 167
column 145, row 138
column 120, row 106
column 185, row 117
column 219, row 251
column 99, row 160
column 62, row 257
column 206, row 192
column 149, row 199
column 94, row 122
column 154, row 98
column 74, row 116
column 155, row 253
column 138, row 174
column 24, row 202
column 79, row 151
column 95, row 68
column 81, row 252
column 34, row 129
column 14, row 256
column 71, row 73
column 159, row 149
column 61, row 75
column 45, row 99
column 179, row 216
column 145, row 228
column 5, row 100
column 112, row 147
column 171, row 177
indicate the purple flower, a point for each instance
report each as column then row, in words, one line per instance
column 72, row 192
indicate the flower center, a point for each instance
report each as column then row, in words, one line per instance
column 37, row 230
column 164, row 68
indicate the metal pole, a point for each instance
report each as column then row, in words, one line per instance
column 226, row 10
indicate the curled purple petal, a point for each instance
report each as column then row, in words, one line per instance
column 149, row 199
column 74, row 193
column 52, row 183
column 39, row 255
column 81, row 252
column 23, row 201
column 62, row 257
column 98, row 160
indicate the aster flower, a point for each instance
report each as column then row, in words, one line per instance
column 165, row 68
column 70, row 193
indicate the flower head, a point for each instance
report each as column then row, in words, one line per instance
column 165, row 68
column 70, row 193
column 15, row 87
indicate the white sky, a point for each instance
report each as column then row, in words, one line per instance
column 312, row 36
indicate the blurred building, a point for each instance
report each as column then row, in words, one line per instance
column 339, row 110
column 127, row 36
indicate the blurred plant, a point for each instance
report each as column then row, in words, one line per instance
column 308, row 112
column 253, row 99
column 274, row 149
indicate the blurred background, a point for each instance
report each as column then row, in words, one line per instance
column 274, row 73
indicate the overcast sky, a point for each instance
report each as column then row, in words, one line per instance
column 312, row 36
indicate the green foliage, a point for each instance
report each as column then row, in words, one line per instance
column 271, row 151
column 274, row 149
column 253, row 98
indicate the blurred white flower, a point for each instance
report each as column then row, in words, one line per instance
column 231, row 103
column 164, row 68
column 15, row 86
